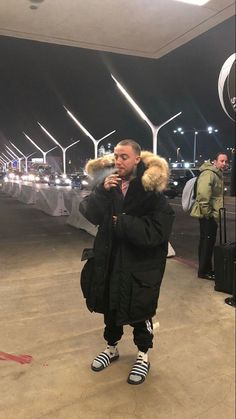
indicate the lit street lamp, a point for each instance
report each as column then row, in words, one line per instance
column 154, row 128
column 14, row 155
column 44, row 153
column 209, row 130
column 25, row 157
column 64, row 149
column 4, row 162
column 7, row 159
column 95, row 142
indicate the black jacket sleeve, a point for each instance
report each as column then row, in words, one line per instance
column 94, row 206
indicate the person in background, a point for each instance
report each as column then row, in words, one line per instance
column 209, row 199
column 122, row 276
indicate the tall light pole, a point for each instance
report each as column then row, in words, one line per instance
column 209, row 130
column 7, row 159
column 44, row 153
column 4, row 162
column 64, row 149
column 177, row 154
column 95, row 142
column 154, row 128
column 14, row 155
column 25, row 157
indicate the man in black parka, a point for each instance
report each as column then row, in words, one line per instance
column 124, row 271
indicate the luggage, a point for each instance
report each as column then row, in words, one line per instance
column 224, row 260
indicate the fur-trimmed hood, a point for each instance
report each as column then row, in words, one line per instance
column 154, row 178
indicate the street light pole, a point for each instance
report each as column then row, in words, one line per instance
column 8, row 160
column 44, row 153
column 64, row 149
column 25, row 157
column 195, row 146
column 177, row 154
column 210, row 130
column 14, row 155
column 154, row 128
column 95, row 142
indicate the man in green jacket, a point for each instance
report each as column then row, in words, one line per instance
column 209, row 200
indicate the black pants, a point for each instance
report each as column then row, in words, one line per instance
column 208, row 231
column 142, row 332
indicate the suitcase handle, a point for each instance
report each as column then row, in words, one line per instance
column 222, row 211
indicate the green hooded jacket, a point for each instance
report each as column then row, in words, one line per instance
column 210, row 190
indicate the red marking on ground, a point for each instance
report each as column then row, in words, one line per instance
column 186, row 262
column 21, row 359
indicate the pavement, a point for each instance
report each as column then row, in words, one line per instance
column 48, row 338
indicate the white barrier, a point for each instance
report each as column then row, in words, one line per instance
column 7, row 188
column 68, row 195
column 16, row 188
column 27, row 194
column 76, row 219
column 51, row 201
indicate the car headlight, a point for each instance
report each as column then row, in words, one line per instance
column 57, row 181
column 46, row 178
column 84, row 182
column 37, row 178
column 68, row 181
column 31, row 177
column 176, row 183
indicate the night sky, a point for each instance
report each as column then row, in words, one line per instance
column 37, row 79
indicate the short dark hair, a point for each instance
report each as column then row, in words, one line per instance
column 218, row 154
column 135, row 146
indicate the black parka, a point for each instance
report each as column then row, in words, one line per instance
column 129, row 260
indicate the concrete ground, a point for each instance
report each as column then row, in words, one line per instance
column 43, row 314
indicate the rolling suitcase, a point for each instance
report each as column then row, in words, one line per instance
column 224, row 258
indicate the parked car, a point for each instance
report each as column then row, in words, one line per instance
column 56, row 179
column 172, row 189
column 180, row 176
column 80, row 181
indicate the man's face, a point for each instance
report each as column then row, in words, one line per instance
column 126, row 160
column 221, row 162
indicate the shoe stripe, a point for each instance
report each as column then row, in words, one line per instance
column 103, row 358
column 140, row 368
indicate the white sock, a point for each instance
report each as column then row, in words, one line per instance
column 111, row 350
column 142, row 356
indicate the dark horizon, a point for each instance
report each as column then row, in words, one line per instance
column 38, row 79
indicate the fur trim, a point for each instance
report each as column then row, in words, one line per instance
column 155, row 177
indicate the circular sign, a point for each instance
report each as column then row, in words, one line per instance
column 226, row 87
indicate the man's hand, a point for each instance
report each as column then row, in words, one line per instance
column 111, row 181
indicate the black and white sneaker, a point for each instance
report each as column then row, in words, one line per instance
column 139, row 370
column 104, row 359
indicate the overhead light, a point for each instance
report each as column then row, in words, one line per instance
column 195, row 2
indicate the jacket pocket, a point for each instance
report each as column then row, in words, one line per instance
column 87, row 272
column 144, row 294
